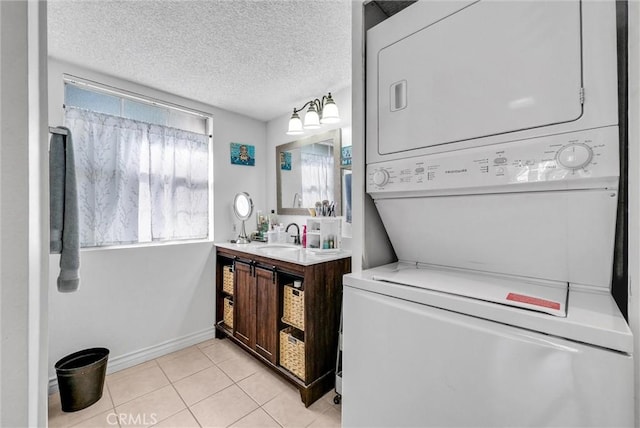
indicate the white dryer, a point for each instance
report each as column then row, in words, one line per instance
column 492, row 159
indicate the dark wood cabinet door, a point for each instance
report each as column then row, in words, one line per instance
column 244, row 304
column 267, row 314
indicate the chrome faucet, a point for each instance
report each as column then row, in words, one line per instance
column 296, row 237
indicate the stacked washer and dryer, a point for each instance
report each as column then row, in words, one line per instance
column 493, row 160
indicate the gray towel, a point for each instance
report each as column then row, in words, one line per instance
column 63, row 206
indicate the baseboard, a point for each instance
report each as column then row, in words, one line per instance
column 131, row 359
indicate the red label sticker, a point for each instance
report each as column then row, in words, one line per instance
column 533, row 301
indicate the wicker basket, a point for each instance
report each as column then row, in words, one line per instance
column 292, row 351
column 227, row 279
column 293, row 307
column 227, row 312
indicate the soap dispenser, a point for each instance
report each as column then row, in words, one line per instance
column 304, row 236
column 273, row 219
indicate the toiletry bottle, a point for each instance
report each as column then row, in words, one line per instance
column 304, row 236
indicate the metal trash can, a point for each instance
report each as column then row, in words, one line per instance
column 81, row 378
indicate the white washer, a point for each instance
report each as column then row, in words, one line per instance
column 497, row 186
column 499, row 311
column 414, row 357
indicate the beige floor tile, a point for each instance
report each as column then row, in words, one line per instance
column 208, row 343
column 144, row 396
column 331, row 418
column 176, row 354
column 185, row 365
column 263, row 386
column 151, row 408
column 183, row 419
column 289, row 411
column 321, row 405
column 241, row 367
column 199, row 386
column 137, row 384
column 222, row 350
column 108, row 419
column 223, row 408
column 256, row 419
column 131, row 370
column 58, row 418
column 328, row 397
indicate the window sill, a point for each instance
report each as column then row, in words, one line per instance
column 147, row 245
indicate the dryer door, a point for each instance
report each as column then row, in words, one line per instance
column 487, row 69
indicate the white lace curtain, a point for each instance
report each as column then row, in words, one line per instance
column 178, row 182
column 137, row 182
column 317, row 178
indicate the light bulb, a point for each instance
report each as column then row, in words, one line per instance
column 330, row 112
column 311, row 119
column 295, row 125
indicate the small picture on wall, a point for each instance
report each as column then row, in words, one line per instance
column 243, row 154
column 346, row 156
column 285, row 161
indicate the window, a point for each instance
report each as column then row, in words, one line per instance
column 317, row 165
column 142, row 168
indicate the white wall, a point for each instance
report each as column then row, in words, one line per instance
column 14, row 211
column 276, row 135
column 634, row 189
column 358, row 152
column 144, row 301
column 23, row 260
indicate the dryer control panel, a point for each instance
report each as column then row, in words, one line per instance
column 585, row 159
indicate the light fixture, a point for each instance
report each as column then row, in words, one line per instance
column 320, row 112
column 311, row 119
column 295, row 124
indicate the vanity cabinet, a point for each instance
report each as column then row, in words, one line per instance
column 259, row 325
column 255, row 306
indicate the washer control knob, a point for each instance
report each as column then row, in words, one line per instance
column 574, row 156
column 380, row 177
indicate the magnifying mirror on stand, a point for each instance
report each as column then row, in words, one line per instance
column 242, row 208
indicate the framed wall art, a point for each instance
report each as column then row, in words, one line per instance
column 243, row 154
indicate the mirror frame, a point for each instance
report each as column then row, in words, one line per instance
column 336, row 136
column 249, row 201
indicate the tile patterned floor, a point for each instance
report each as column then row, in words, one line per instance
column 212, row 384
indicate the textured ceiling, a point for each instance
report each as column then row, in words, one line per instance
column 259, row 58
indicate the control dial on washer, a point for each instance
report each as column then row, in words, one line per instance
column 380, row 177
column 574, row 156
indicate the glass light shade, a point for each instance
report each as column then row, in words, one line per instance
column 295, row 125
column 311, row 119
column 330, row 113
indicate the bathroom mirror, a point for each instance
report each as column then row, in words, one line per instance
column 308, row 171
column 242, row 208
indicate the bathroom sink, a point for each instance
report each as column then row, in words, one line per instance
column 278, row 249
column 294, row 253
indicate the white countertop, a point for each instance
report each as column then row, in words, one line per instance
column 287, row 252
